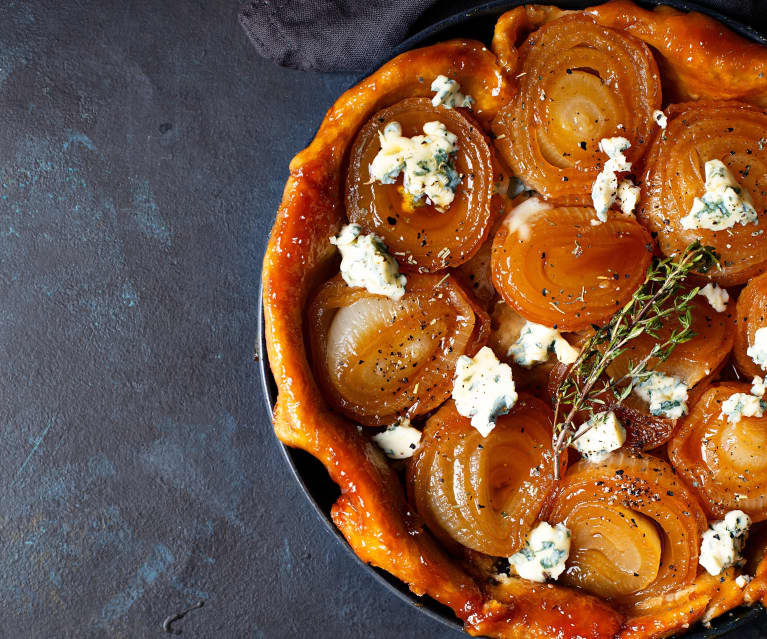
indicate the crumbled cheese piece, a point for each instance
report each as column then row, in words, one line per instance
column 544, row 554
column 367, row 263
column 602, row 434
column 536, row 341
column 666, row 395
column 660, row 119
column 724, row 203
column 400, row 440
column 742, row 405
column 483, row 389
column 716, row 296
column 426, row 161
column 758, row 386
column 627, row 196
column 741, row 581
column 723, row 541
column 605, row 188
column 758, row 350
column 449, row 94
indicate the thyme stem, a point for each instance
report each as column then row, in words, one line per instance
column 656, row 299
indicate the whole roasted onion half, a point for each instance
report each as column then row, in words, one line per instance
column 724, row 462
column 579, row 82
column 752, row 315
column 556, row 268
column 484, row 492
column 696, row 133
column 417, row 233
column 377, row 359
column 635, row 528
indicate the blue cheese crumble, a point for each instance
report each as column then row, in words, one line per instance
column 723, row 542
column 605, row 189
column 536, row 341
column 544, row 554
column 666, row 395
column 758, row 386
column 448, row 94
column 716, row 296
column 367, row 263
column 426, row 162
column 400, row 440
column 599, row 436
column 758, row 350
column 660, row 119
column 742, row 405
column 483, row 389
column 627, row 196
column 724, row 203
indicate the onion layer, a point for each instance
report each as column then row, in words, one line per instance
column 484, row 492
column 752, row 315
column 420, row 234
column 696, row 133
column 375, row 357
column 579, row 82
column 555, row 268
column 724, row 462
column 635, row 528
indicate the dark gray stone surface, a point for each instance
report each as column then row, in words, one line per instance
column 143, row 149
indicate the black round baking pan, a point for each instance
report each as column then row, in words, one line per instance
column 311, row 475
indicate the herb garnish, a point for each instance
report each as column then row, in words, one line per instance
column 659, row 296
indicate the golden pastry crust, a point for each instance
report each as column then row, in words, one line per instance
column 372, row 511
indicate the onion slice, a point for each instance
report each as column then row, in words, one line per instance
column 377, row 359
column 635, row 528
column 696, row 133
column 484, row 492
column 416, row 232
column 556, row 268
column 579, row 82
column 724, row 462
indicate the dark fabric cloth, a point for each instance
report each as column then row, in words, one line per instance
column 348, row 35
column 357, row 35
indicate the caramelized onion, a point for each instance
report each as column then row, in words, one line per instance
column 579, row 83
column 417, row 232
column 696, row 133
column 484, row 492
column 724, row 462
column 635, row 528
column 752, row 315
column 375, row 357
column 557, row 269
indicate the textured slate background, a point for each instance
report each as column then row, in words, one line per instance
column 143, row 148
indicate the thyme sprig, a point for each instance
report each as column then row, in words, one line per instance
column 586, row 384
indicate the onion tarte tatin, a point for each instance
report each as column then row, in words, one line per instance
column 496, row 311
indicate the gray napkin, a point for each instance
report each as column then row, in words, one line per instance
column 358, row 35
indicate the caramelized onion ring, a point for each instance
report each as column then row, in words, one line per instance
column 622, row 560
column 724, row 462
column 375, row 357
column 752, row 315
column 579, row 82
column 555, row 268
column 423, row 236
column 484, row 492
column 698, row 132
